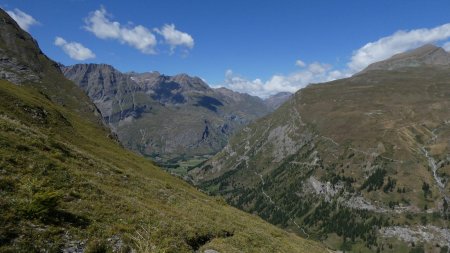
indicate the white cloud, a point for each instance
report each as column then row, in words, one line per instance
column 318, row 68
column 300, row 63
column 75, row 50
column 139, row 37
column 313, row 73
column 174, row 37
column 396, row 43
column 318, row 72
column 24, row 20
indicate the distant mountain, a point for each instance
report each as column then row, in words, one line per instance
column 167, row 118
column 274, row 101
column 427, row 55
column 361, row 163
column 66, row 187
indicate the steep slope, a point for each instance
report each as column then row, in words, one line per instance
column 65, row 186
column 167, row 118
column 22, row 62
column 358, row 161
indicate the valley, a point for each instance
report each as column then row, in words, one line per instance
column 174, row 120
column 68, row 185
column 99, row 154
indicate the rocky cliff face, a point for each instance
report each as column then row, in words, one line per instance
column 167, row 118
column 349, row 157
column 19, row 53
column 23, row 63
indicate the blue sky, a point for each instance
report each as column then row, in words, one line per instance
column 250, row 46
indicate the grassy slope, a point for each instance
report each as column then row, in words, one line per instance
column 62, row 180
column 409, row 106
column 353, row 126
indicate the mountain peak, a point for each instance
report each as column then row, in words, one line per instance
column 424, row 48
column 89, row 66
column 22, row 62
column 189, row 81
column 422, row 51
column 19, row 53
column 426, row 55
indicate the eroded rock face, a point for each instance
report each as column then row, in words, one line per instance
column 12, row 70
column 19, row 56
column 418, row 234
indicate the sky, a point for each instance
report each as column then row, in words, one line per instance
column 257, row 47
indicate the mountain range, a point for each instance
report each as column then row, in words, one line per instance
column 67, row 185
column 361, row 163
column 168, row 118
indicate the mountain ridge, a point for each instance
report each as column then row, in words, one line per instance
column 340, row 157
column 168, row 118
column 23, row 62
column 426, row 55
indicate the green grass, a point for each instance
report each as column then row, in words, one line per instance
column 63, row 180
column 183, row 166
column 354, row 127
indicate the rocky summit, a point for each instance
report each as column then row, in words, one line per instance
column 358, row 163
column 167, row 118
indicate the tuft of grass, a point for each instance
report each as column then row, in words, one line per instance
column 43, row 205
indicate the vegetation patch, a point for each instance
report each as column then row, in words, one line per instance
column 375, row 181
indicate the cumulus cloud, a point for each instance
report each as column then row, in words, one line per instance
column 371, row 52
column 75, row 50
column 300, row 63
column 396, row 43
column 24, row 20
column 313, row 73
column 174, row 37
column 100, row 24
